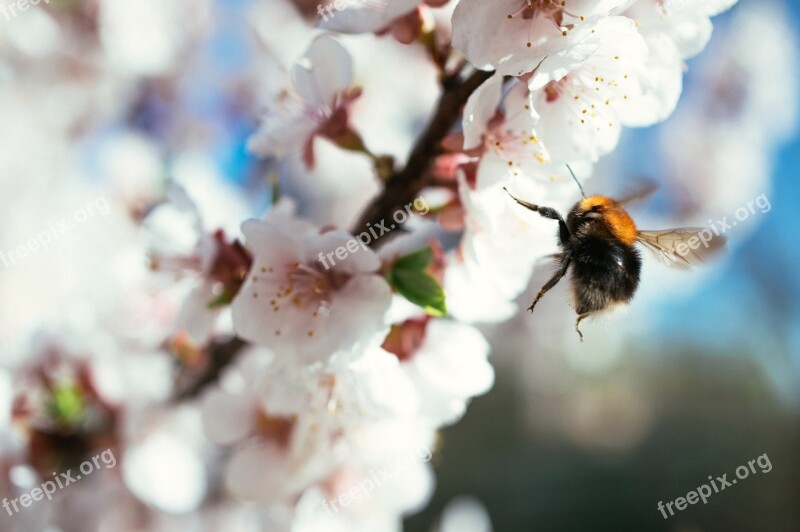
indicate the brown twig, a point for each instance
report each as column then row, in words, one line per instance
column 404, row 186
column 220, row 356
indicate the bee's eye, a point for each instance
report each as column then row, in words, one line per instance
column 593, row 213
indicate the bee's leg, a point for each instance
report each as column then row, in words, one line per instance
column 552, row 282
column 546, row 212
column 581, row 317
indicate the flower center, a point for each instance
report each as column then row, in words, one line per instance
column 305, row 286
column 554, row 10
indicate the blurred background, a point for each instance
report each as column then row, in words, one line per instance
column 700, row 375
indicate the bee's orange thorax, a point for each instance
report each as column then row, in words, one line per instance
column 616, row 218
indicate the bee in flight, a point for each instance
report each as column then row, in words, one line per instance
column 598, row 240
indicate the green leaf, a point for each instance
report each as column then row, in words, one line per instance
column 418, row 260
column 407, row 275
column 421, row 289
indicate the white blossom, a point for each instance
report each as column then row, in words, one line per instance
column 301, row 298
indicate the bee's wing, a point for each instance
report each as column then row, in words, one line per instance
column 683, row 247
column 642, row 191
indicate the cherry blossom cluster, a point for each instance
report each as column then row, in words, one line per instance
column 562, row 80
column 221, row 359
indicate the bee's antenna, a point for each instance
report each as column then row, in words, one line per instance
column 576, row 181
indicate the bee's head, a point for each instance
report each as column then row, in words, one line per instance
column 606, row 211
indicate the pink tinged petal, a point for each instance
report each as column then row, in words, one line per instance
column 325, row 70
column 227, row 418
column 407, row 28
column 485, row 35
column 451, row 218
column 513, row 143
column 480, row 108
column 288, row 121
column 514, row 46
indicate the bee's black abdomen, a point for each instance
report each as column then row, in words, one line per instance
column 604, row 271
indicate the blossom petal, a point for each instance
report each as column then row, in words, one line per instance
column 367, row 15
column 480, row 108
column 325, row 70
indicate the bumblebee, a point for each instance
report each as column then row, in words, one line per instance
column 597, row 242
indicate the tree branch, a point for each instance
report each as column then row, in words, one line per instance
column 220, row 356
column 404, row 186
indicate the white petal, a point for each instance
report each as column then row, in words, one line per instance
column 483, row 32
column 465, row 514
column 166, row 472
column 480, row 108
column 471, row 300
column 512, row 144
column 227, row 418
column 259, row 472
column 279, row 133
column 686, row 22
column 195, row 318
column 449, row 368
column 663, row 82
column 581, row 119
column 453, row 358
column 490, row 37
column 364, row 16
column 568, row 134
column 325, row 70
